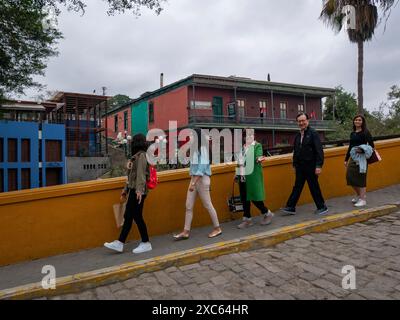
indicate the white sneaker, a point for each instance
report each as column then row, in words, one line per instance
column 355, row 200
column 267, row 218
column 143, row 247
column 360, row 203
column 247, row 222
column 115, row 245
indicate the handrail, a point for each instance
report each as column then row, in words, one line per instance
column 218, row 119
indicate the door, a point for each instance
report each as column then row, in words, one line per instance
column 217, row 109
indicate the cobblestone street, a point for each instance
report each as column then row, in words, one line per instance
column 304, row 268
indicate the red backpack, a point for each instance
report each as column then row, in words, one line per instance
column 152, row 181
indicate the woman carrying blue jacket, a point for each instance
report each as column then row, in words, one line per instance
column 355, row 177
column 200, row 173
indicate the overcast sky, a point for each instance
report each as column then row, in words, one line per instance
column 218, row 37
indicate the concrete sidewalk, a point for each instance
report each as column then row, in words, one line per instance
column 98, row 258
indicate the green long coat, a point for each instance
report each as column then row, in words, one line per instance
column 255, row 180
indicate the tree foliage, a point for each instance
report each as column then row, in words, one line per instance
column 114, row 6
column 344, row 103
column 25, row 44
column 367, row 18
column 390, row 121
column 385, row 121
column 118, row 101
column 28, row 38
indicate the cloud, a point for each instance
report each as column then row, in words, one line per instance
column 224, row 37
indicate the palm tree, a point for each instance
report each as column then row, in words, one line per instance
column 367, row 18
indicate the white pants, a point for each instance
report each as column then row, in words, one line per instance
column 202, row 188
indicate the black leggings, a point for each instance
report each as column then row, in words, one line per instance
column 246, row 204
column 134, row 211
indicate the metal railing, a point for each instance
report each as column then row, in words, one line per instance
column 256, row 121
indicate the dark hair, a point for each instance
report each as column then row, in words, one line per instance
column 302, row 114
column 139, row 143
column 364, row 123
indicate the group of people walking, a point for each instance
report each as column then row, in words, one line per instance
column 308, row 160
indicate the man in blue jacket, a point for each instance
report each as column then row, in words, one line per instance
column 308, row 158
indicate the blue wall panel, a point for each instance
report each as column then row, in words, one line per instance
column 30, row 131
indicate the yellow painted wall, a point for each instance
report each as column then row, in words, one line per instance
column 55, row 220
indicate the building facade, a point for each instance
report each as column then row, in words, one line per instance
column 230, row 102
column 119, row 122
column 32, row 155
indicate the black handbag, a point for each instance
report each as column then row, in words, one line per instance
column 235, row 202
column 375, row 157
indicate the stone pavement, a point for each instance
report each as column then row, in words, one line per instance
column 98, row 258
column 308, row 267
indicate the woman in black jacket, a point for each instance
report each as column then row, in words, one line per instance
column 355, row 179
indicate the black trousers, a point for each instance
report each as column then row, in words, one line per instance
column 306, row 173
column 134, row 211
column 246, row 204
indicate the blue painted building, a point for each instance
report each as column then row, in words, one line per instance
column 32, row 155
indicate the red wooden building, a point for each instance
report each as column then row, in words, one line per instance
column 230, row 102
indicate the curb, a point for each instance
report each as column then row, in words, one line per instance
column 91, row 279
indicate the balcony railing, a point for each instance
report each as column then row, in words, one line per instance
column 256, row 121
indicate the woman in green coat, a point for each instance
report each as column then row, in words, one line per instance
column 251, row 180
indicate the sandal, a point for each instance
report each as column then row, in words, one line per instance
column 180, row 236
column 213, row 235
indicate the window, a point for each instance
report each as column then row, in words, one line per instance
column 201, row 105
column 116, row 123
column 25, row 150
column 126, row 120
column 25, row 178
column 240, row 105
column 53, row 176
column 263, row 109
column 12, row 150
column 283, row 110
column 53, row 151
column 301, row 107
column 1, row 150
column 151, row 112
column 1, row 180
column 12, row 179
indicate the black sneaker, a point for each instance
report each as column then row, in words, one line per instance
column 289, row 210
column 322, row 211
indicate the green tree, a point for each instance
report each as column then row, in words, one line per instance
column 345, row 106
column 25, row 45
column 114, row 6
column 394, row 98
column 366, row 21
column 28, row 38
column 392, row 120
column 118, row 101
